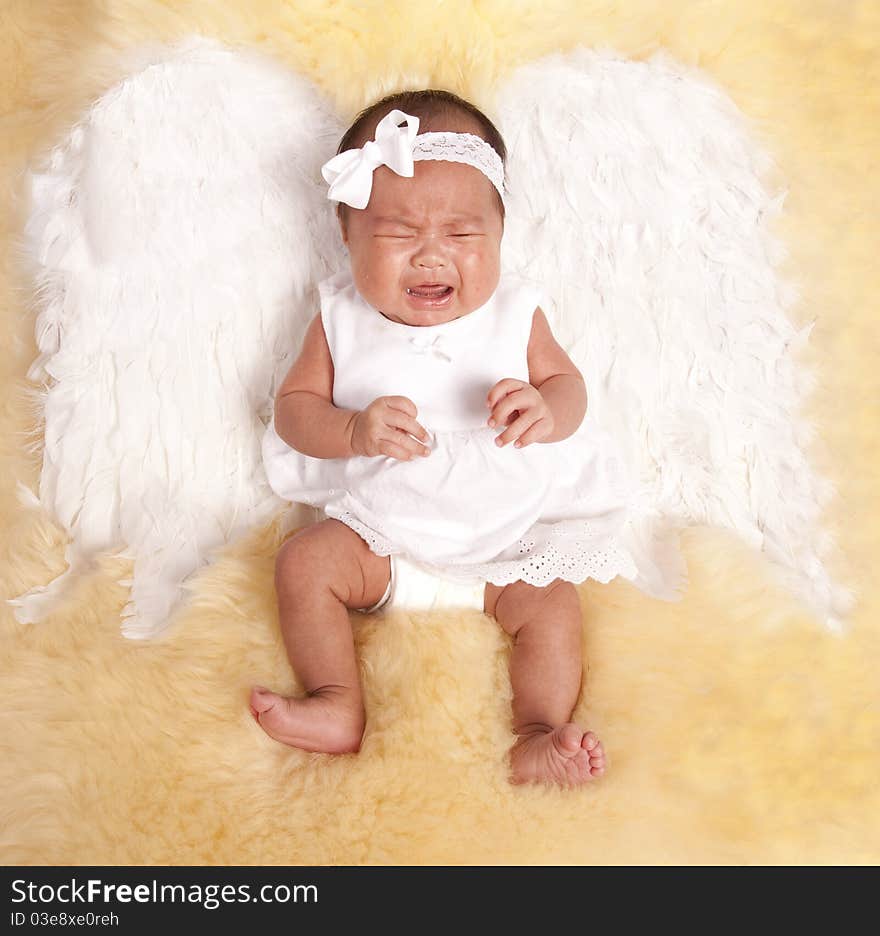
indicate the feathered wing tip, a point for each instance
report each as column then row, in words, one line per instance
column 177, row 234
column 41, row 601
column 156, row 589
column 637, row 199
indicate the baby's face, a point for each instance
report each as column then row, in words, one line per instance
column 441, row 226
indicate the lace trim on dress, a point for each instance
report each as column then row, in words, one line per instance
column 569, row 550
column 377, row 543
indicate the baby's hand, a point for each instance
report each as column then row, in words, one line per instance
column 386, row 427
column 523, row 409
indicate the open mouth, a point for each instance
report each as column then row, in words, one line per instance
column 437, row 291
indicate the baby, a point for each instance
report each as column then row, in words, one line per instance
column 419, row 182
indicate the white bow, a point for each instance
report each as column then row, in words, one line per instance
column 350, row 174
column 436, row 345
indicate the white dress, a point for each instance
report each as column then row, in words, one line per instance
column 470, row 511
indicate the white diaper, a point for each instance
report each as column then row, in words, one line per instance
column 414, row 589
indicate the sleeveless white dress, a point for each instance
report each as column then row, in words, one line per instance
column 471, row 511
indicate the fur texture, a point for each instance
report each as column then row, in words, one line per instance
column 737, row 732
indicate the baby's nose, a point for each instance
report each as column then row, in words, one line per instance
column 431, row 263
column 429, row 254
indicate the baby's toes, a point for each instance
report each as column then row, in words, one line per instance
column 568, row 740
column 261, row 700
column 595, row 752
column 581, row 764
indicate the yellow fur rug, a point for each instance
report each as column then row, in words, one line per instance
column 737, row 731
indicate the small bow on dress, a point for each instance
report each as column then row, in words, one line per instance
column 435, row 345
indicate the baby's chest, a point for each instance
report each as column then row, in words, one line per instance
column 448, row 383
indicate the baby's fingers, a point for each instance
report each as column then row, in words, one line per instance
column 403, row 448
column 517, row 428
column 413, row 435
column 538, row 430
column 402, row 404
column 514, row 403
column 501, row 389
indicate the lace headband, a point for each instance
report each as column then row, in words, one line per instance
column 350, row 174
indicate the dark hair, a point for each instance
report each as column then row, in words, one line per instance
column 435, row 109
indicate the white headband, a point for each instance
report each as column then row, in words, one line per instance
column 350, row 174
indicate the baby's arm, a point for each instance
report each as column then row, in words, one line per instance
column 553, row 373
column 305, row 417
column 308, row 421
column 555, row 411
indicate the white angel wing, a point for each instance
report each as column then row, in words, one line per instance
column 637, row 202
column 176, row 237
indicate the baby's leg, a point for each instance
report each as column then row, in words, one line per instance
column 545, row 673
column 321, row 572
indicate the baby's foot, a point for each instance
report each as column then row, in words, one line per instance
column 328, row 722
column 567, row 756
